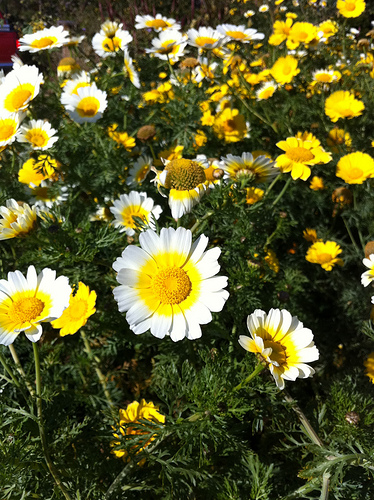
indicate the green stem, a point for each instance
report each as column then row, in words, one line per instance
column 255, row 372
column 199, row 221
column 99, row 373
column 42, row 434
column 325, row 486
column 351, row 236
column 8, row 370
column 20, row 369
column 304, row 421
column 118, row 480
column 285, row 187
column 153, row 152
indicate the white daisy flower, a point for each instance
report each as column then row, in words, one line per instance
column 239, row 33
column 139, row 171
column 38, row 133
column 46, row 195
column 266, row 90
column 158, row 23
column 259, row 169
column 87, row 105
column 106, row 46
column 48, row 38
column 17, row 220
column 368, row 276
column 325, row 76
column 204, row 70
column 134, row 205
column 169, row 45
column 83, row 79
column 9, row 128
column 19, row 87
column 168, row 285
column 25, row 302
column 130, row 70
column 205, row 38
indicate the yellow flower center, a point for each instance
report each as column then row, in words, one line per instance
column 44, row 42
column 265, row 94
column 88, row 106
column 278, row 352
column 111, row 44
column 18, row 97
column 201, row 41
column 239, row 35
column 355, row 173
column 26, row 309
column 323, row 258
column 7, row 129
column 167, row 47
column 129, row 213
column 157, row 23
column 37, row 137
column 299, row 154
column 171, row 285
column 350, row 6
column 324, row 78
column 184, row 175
column 78, row 309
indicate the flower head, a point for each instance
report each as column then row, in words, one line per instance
column 18, row 88
column 129, row 69
column 33, row 172
column 350, row 8
column 205, row 38
column 108, row 42
column 139, row 171
column 284, row 69
column 39, row 134
column 368, row 276
column 81, row 307
column 186, row 181
column 168, row 285
column 325, row 254
column 48, row 38
column 133, row 205
column 300, row 153
column 27, row 301
column 317, row 184
column 169, row 45
column 87, row 105
column 229, row 125
column 355, row 168
column 342, row 104
column 282, row 343
column 157, row 23
column 239, row 33
column 259, row 169
column 369, row 365
column 266, row 91
column 134, row 413
column 9, row 128
column 122, row 138
column 17, row 219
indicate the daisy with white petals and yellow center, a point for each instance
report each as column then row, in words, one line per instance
column 186, row 181
column 282, row 342
column 205, row 38
column 18, row 88
column 17, row 219
column 110, row 39
column 27, row 301
column 132, row 206
column 158, row 23
column 169, row 45
column 9, row 128
column 87, row 105
column 168, row 286
column 49, row 38
column 39, row 134
column 239, row 33
column 368, row 276
column 259, row 169
column 139, row 171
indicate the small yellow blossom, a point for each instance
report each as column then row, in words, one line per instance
column 316, row 184
column 325, row 254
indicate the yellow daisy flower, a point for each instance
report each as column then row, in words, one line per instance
column 81, row 307
column 39, row 134
column 134, row 413
column 254, row 195
column 329, row 28
column 369, row 365
column 325, row 254
column 36, row 171
column 302, row 33
column 282, row 342
column 259, row 169
column 350, row 8
column 229, row 125
column 281, row 31
column 168, row 285
column 266, row 91
column 9, row 128
column 300, row 155
column 310, row 235
column 342, row 104
column 27, row 301
column 122, row 138
column 355, row 168
column 285, row 69
column 338, row 137
column 317, row 184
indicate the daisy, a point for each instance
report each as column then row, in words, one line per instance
column 48, row 38
column 168, row 285
column 302, row 33
column 186, row 181
column 350, row 8
column 158, row 23
column 129, row 69
column 134, row 205
column 368, row 276
column 9, row 128
column 87, row 105
column 67, row 66
column 300, row 153
column 239, row 33
column 17, row 219
column 342, row 104
column 27, row 301
column 259, row 169
column 230, row 125
column 325, row 76
column 325, row 254
column 205, row 38
column 39, row 134
column 284, row 69
column 139, row 171
column 355, row 168
column 282, row 342
column 83, row 79
column 46, row 195
column 81, row 307
column 19, row 87
column 266, row 91
column 169, row 45
column 369, row 365
column 106, row 44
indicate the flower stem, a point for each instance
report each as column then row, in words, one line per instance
column 285, row 187
column 99, row 373
column 9, row 370
column 199, row 221
column 21, row 370
column 255, row 372
column 42, row 434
